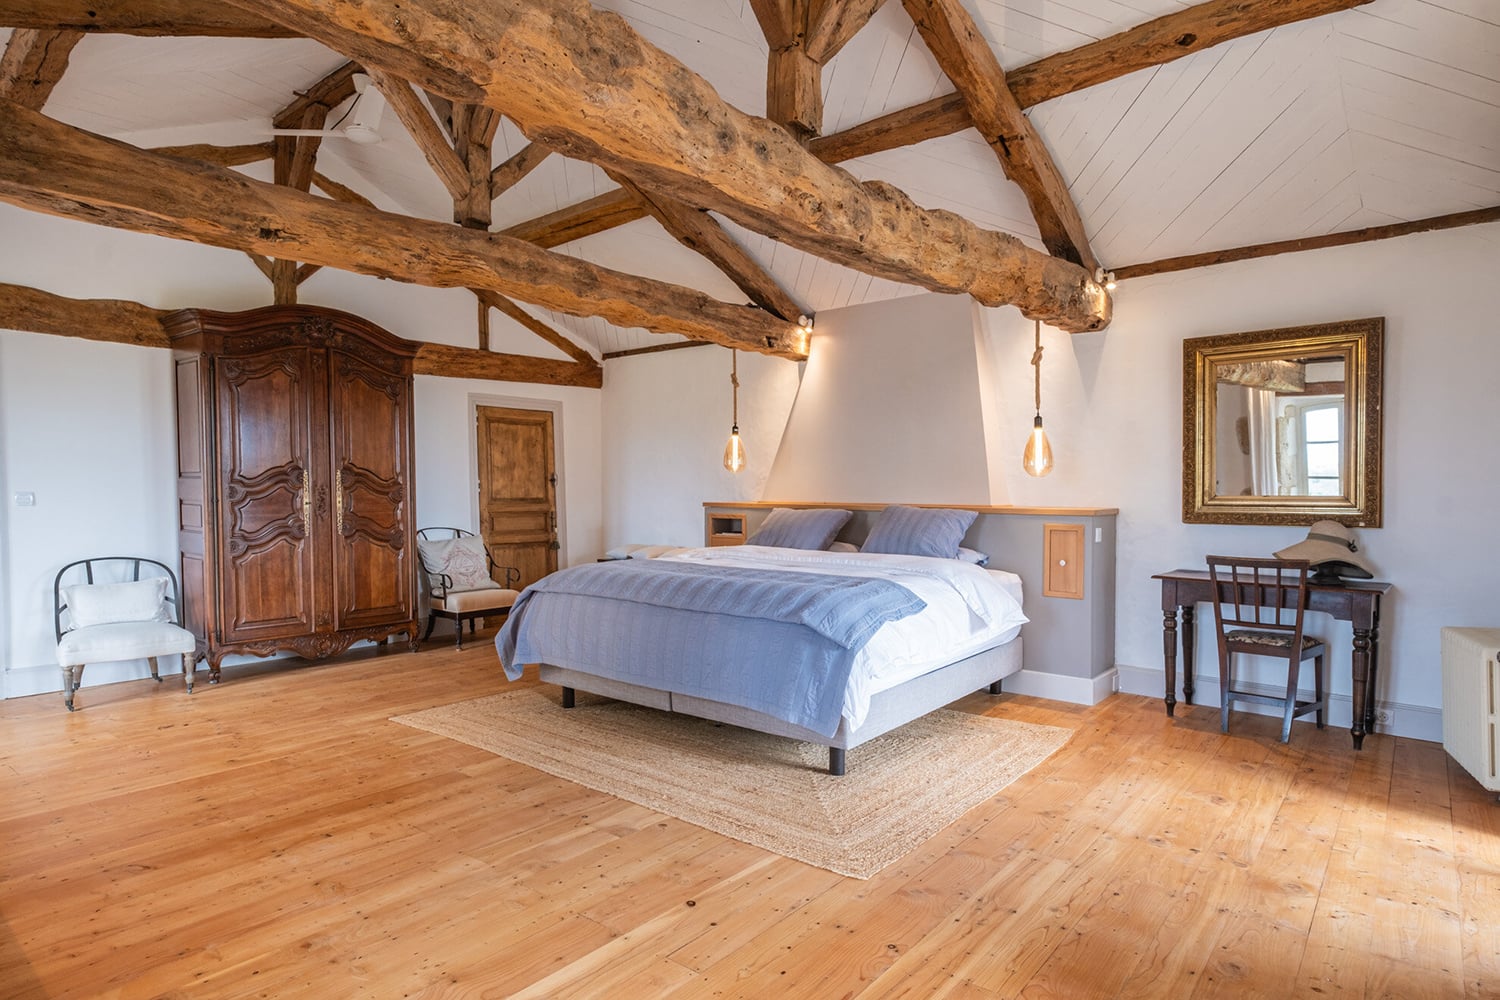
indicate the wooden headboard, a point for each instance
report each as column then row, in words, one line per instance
column 1069, row 645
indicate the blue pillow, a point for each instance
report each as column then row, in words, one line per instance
column 799, row 529
column 919, row 531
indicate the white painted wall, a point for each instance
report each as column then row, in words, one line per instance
column 88, row 427
column 666, row 420
column 1112, row 403
column 891, row 392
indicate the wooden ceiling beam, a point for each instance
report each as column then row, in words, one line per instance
column 329, row 92
column 1154, row 43
column 112, row 321
column 51, row 167
column 120, row 321
column 140, row 17
column 33, row 61
column 574, row 222
column 340, row 192
column 505, row 306
column 1475, row 217
column 832, row 23
column 424, row 130
column 224, row 156
column 965, row 55
column 508, row 174
column 699, row 232
column 648, row 116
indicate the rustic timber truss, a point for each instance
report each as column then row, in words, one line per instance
column 476, row 63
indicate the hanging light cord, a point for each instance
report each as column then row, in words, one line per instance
column 734, row 381
column 1036, row 362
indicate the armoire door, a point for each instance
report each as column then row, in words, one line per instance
column 518, row 490
column 269, row 468
column 369, row 424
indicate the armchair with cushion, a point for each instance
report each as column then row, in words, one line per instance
column 461, row 577
column 118, row 608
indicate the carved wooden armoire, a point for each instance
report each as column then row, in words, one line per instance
column 294, row 483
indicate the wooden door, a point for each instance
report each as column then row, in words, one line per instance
column 271, row 464
column 369, row 432
column 518, row 490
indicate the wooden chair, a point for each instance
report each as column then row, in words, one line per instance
column 461, row 577
column 1259, row 607
column 118, row 608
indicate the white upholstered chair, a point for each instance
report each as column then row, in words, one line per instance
column 118, row 608
column 461, row 579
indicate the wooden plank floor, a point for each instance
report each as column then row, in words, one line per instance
column 277, row 836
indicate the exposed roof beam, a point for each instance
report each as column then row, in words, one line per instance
column 330, row 92
column 51, row 167
column 802, row 35
column 651, row 118
column 832, row 23
column 120, row 321
column 655, row 349
column 501, row 304
column 699, row 232
column 508, row 174
column 1154, row 43
column 33, row 62
column 224, row 156
column 574, row 222
column 967, row 58
column 1453, row 221
column 140, row 17
column 339, row 192
column 424, row 130
column 114, row 321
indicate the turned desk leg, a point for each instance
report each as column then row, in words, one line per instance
column 1169, row 655
column 1363, row 674
column 1189, row 646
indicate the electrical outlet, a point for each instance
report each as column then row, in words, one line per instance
column 1384, row 717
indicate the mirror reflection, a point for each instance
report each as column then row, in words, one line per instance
column 1283, row 426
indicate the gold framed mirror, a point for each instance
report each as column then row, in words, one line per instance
column 1283, row 426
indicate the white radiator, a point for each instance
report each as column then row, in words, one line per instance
column 1471, row 701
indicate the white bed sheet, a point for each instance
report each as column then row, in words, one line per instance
column 969, row 609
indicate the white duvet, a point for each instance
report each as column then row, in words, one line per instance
column 969, row 609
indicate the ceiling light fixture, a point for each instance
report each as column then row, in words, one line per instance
column 1037, row 458
column 1105, row 278
column 734, row 451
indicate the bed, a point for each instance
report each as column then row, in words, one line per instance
column 871, row 640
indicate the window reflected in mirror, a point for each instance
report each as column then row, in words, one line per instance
column 1287, row 422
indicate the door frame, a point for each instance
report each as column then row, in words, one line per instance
column 553, row 406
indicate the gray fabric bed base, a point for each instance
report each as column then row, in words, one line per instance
column 888, row 709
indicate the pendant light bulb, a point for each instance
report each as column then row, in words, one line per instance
column 1037, row 459
column 734, row 450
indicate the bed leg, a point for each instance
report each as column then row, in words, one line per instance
column 995, row 688
column 567, row 697
column 836, row 761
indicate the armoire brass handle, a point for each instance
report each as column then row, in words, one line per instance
column 338, row 499
column 306, row 509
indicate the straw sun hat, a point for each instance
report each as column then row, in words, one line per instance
column 1330, row 547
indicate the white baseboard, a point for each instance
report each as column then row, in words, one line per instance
column 1418, row 722
column 1078, row 690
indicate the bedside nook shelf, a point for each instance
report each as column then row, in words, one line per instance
column 724, row 529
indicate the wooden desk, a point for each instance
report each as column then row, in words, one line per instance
column 1354, row 601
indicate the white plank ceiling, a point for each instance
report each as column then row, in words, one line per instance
column 1389, row 112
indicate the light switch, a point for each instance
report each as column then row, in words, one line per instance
column 25, row 498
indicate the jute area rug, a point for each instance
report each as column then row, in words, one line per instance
column 769, row 791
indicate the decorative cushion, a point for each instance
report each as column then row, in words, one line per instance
column 462, row 560
column 973, row 556
column 105, row 603
column 492, row 599
column 800, row 529
column 1271, row 640
column 919, row 531
column 653, row 551
column 122, row 641
column 843, row 547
